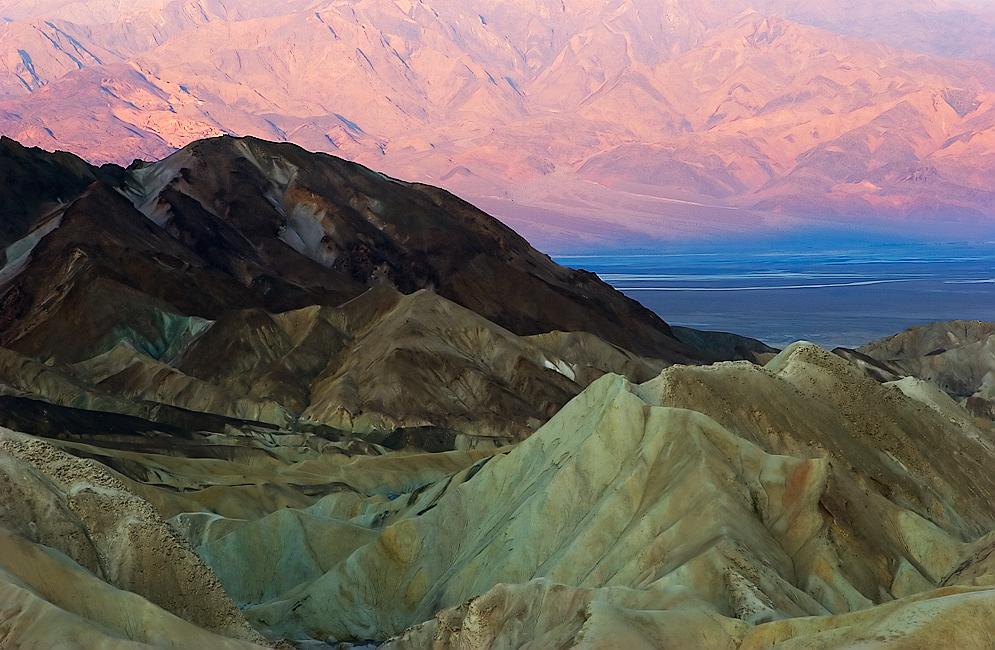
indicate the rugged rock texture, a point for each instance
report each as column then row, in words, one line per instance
column 266, row 396
column 801, row 504
column 288, row 204
column 956, row 356
column 252, row 281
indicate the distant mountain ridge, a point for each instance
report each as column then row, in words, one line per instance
column 567, row 110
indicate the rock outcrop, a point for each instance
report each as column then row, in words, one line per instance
column 242, row 223
column 86, row 563
column 258, row 282
column 957, row 356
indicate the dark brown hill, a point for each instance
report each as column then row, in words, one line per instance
column 296, row 208
column 256, row 281
column 235, row 223
column 35, row 182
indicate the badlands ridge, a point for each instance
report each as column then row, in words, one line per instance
column 253, row 396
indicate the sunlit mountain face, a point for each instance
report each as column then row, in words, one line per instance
column 256, row 396
column 577, row 122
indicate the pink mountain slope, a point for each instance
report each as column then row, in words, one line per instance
column 616, row 119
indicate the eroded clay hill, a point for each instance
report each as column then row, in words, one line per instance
column 795, row 505
column 956, row 356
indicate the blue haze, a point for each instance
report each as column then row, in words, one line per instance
column 833, row 294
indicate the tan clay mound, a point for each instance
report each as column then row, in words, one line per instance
column 124, row 372
column 397, row 369
column 810, row 403
column 618, row 507
column 957, row 356
column 109, row 566
column 49, row 601
column 402, row 370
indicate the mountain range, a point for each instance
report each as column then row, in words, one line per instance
column 572, row 121
column 253, row 396
column 255, row 393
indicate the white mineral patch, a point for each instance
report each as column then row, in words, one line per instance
column 277, row 170
column 304, row 233
column 149, row 181
column 19, row 251
column 560, row 366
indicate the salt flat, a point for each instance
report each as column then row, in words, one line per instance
column 831, row 295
